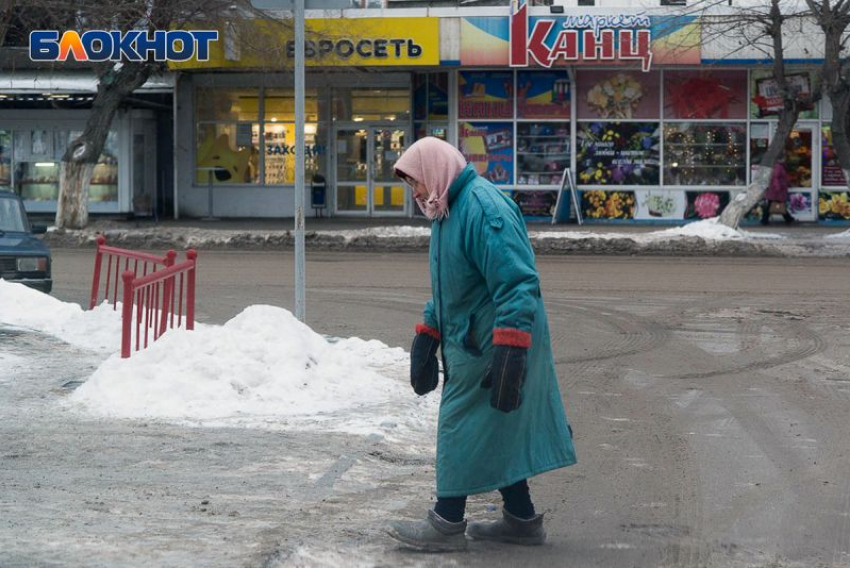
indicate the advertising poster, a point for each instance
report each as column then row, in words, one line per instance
column 543, row 94
column 489, row 147
column 705, row 204
column 766, row 100
column 612, row 95
column 831, row 173
column 693, row 95
column 834, row 205
column 598, row 205
column 485, row 94
column 659, row 205
column 536, row 205
column 622, row 153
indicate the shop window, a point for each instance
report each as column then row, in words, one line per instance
column 696, row 95
column 360, row 105
column 279, row 105
column 705, row 153
column 279, row 150
column 5, row 159
column 543, row 94
column 618, row 153
column 423, row 129
column 37, row 173
column 430, row 105
column 759, row 141
column 617, row 95
column 228, row 153
column 831, row 173
column 232, row 105
column 543, row 151
column 438, row 96
column 489, row 147
column 485, row 94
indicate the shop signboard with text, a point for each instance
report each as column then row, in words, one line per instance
column 366, row 42
column 523, row 40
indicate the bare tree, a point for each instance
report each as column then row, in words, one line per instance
column 769, row 25
column 833, row 19
column 116, row 80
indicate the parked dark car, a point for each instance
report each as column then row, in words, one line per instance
column 23, row 257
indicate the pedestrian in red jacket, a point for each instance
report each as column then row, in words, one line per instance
column 777, row 194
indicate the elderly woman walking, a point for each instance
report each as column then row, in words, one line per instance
column 501, row 417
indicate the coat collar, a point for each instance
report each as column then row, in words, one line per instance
column 466, row 176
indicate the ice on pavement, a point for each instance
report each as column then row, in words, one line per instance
column 263, row 368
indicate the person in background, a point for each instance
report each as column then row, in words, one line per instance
column 501, row 418
column 777, row 193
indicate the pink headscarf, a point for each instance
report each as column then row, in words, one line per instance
column 436, row 164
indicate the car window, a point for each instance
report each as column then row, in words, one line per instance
column 11, row 216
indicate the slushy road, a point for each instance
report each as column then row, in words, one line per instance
column 710, row 400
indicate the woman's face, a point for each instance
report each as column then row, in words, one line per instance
column 418, row 188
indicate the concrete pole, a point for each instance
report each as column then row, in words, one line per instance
column 300, row 303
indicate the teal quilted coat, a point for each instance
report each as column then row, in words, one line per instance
column 485, row 286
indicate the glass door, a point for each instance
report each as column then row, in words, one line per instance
column 365, row 183
column 388, row 196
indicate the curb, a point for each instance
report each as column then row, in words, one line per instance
column 318, row 241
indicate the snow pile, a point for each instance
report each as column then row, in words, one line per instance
column 402, row 231
column 710, row 229
column 578, row 235
column 263, row 368
column 844, row 235
column 97, row 330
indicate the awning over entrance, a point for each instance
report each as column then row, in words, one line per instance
column 27, row 82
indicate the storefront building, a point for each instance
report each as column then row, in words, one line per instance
column 42, row 111
column 652, row 123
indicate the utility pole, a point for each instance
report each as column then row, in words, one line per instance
column 299, row 162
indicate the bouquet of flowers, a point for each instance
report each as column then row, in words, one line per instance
column 616, row 97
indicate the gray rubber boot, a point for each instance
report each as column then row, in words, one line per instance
column 434, row 534
column 510, row 529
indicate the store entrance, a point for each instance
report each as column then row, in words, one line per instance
column 365, row 183
column 801, row 161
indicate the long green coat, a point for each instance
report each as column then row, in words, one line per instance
column 483, row 278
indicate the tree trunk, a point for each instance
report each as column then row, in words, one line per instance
column 744, row 202
column 73, row 209
column 82, row 154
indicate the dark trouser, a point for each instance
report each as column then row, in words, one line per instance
column 516, row 497
column 765, row 216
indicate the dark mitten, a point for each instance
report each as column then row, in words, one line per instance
column 424, row 369
column 505, row 377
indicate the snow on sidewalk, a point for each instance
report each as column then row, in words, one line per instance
column 263, row 368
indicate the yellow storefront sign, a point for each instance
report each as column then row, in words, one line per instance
column 339, row 42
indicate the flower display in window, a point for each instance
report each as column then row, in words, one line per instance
column 799, row 203
column 706, row 205
column 618, row 153
column 834, row 206
column 615, row 97
column 598, row 204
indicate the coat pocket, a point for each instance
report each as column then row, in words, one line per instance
column 470, row 344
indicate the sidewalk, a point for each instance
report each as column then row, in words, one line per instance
column 393, row 234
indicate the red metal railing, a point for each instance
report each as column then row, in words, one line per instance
column 153, row 301
column 133, row 261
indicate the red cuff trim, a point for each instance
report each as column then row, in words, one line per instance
column 512, row 337
column 422, row 328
